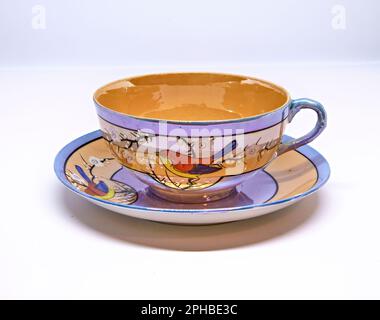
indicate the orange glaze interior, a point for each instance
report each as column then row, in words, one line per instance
column 191, row 97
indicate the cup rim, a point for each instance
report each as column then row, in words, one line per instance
column 189, row 122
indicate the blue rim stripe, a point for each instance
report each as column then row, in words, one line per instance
column 322, row 167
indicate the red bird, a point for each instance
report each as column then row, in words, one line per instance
column 188, row 167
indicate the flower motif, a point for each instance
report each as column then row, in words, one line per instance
column 143, row 137
column 115, row 136
column 252, row 149
column 96, row 162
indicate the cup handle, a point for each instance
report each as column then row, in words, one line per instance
column 297, row 105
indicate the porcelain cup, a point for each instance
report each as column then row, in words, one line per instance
column 195, row 137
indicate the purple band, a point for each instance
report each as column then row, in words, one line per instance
column 241, row 125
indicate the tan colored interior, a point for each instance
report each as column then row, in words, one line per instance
column 192, row 96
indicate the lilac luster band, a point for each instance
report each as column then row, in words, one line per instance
column 244, row 125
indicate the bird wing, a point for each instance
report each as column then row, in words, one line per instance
column 168, row 165
column 203, row 169
column 102, row 186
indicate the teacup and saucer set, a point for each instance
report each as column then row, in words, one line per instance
column 194, row 148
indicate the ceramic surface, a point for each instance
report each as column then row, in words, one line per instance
column 87, row 167
column 219, row 130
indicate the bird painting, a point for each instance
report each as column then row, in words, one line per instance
column 100, row 189
column 186, row 166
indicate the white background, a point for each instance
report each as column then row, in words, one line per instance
column 55, row 245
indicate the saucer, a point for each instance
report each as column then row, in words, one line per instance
column 87, row 167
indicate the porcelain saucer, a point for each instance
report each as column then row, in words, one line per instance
column 87, row 167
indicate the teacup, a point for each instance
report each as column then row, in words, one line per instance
column 194, row 137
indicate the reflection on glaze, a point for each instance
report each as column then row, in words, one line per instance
column 191, row 97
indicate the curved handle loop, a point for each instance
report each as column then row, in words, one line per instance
column 296, row 106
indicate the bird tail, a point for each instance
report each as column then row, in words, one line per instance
column 227, row 149
column 82, row 173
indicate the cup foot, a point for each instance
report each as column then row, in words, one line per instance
column 192, row 197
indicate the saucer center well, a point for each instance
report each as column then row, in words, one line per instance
column 259, row 189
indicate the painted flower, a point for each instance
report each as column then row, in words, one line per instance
column 115, row 136
column 96, row 162
column 252, row 149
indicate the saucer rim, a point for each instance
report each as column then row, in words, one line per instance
column 323, row 172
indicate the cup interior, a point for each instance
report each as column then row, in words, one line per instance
column 192, row 97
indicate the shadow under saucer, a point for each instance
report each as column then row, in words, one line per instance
column 189, row 238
